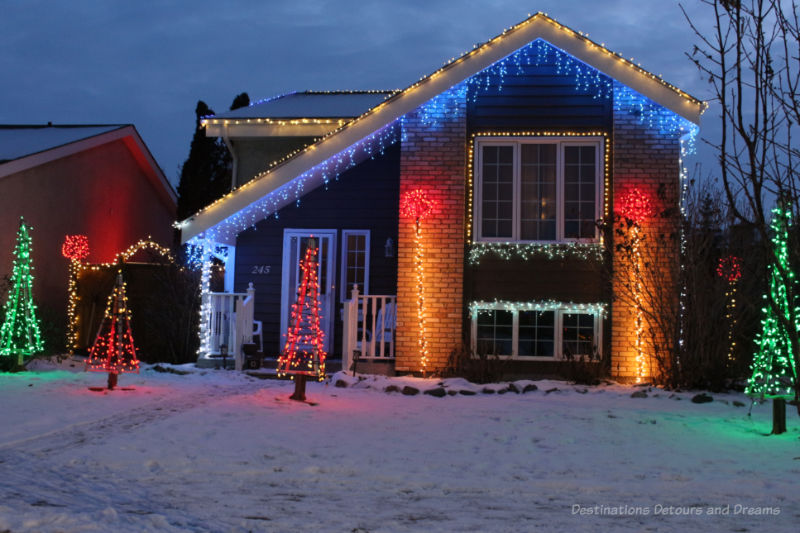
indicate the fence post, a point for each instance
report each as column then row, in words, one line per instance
column 349, row 325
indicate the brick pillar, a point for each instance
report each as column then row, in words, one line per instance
column 647, row 159
column 432, row 158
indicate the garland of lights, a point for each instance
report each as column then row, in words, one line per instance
column 774, row 366
column 76, row 249
column 528, row 251
column 113, row 350
column 636, row 207
column 304, row 324
column 730, row 269
column 416, row 205
column 482, row 306
column 20, row 333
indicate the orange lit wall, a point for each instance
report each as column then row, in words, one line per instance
column 646, row 159
column 433, row 158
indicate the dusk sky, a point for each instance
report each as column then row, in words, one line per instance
column 147, row 63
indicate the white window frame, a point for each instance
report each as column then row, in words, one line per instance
column 516, row 141
column 361, row 290
column 558, row 337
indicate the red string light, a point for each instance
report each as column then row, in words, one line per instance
column 304, row 351
column 729, row 268
column 416, row 204
column 636, row 206
column 113, row 350
column 75, row 247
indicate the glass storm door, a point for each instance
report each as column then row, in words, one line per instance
column 295, row 244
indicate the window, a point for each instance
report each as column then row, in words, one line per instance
column 548, row 334
column 537, row 189
column 355, row 262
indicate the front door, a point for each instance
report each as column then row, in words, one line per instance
column 295, row 244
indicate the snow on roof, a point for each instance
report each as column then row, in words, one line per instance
column 312, row 104
column 22, row 140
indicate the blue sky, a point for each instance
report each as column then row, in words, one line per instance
column 147, row 63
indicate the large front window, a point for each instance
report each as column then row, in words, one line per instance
column 537, row 189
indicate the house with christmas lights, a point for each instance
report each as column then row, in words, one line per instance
column 98, row 181
column 472, row 207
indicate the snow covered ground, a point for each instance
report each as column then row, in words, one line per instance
column 222, row 451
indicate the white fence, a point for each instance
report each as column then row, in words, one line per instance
column 369, row 322
column 230, row 323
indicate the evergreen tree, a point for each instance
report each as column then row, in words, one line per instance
column 20, row 333
column 206, row 173
column 774, row 368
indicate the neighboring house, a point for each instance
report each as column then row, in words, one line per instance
column 100, row 181
column 522, row 144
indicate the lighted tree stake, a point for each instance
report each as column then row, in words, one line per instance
column 76, row 249
column 416, row 205
column 304, row 352
column 113, row 350
column 730, row 269
column 20, row 334
column 636, row 207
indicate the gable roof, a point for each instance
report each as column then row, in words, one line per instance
column 212, row 219
column 23, row 147
column 22, row 140
column 310, row 104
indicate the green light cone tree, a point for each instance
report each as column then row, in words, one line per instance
column 20, row 334
column 774, row 366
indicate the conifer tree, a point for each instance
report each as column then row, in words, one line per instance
column 206, row 173
column 20, row 334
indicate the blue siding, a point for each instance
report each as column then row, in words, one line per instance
column 364, row 197
column 537, row 97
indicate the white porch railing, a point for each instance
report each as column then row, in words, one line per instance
column 368, row 324
column 230, row 324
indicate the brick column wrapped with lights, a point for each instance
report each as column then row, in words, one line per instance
column 646, row 155
column 433, row 155
column 415, row 205
column 636, row 207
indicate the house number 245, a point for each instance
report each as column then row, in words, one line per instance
column 260, row 269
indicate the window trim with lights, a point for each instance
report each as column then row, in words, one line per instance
column 560, row 310
column 516, row 142
column 364, row 288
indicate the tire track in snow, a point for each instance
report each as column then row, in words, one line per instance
column 75, row 434
column 31, row 474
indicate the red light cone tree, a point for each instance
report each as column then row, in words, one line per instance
column 113, row 350
column 20, row 334
column 304, row 352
